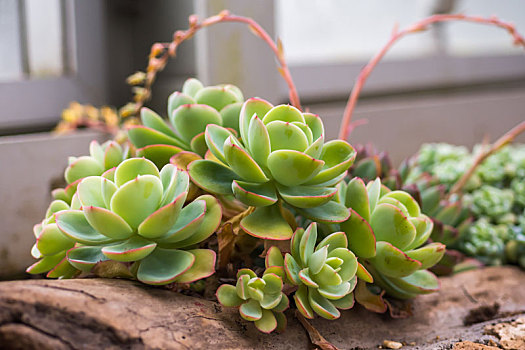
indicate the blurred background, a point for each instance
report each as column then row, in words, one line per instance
column 456, row 83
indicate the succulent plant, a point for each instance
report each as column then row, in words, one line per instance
column 386, row 230
column 492, row 202
column 51, row 245
column 260, row 299
column 486, row 242
column 280, row 161
column 135, row 214
column 325, row 273
column 189, row 112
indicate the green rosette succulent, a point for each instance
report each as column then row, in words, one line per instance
column 281, row 160
column 260, row 299
column 189, row 112
column 136, row 214
column 386, row 230
column 492, row 202
column 324, row 272
column 102, row 157
column 486, row 242
column 51, row 245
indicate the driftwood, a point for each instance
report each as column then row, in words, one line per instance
column 118, row 314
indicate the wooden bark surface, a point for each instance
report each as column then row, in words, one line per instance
column 118, row 314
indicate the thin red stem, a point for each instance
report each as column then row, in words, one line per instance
column 396, row 36
column 484, row 154
column 161, row 52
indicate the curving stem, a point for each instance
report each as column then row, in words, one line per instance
column 484, row 154
column 346, row 128
column 161, row 52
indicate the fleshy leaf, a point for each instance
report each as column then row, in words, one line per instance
column 292, row 168
column 390, row 225
column 190, row 120
column 267, row 223
column 204, row 266
column 135, row 248
column 251, row 310
column 215, row 136
column 212, row 220
column 338, row 156
column 254, row 194
column 267, row 323
column 227, row 296
column 75, row 225
column 163, row 266
column 216, row 96
column 178, row 99
column 361, row 239
column 428, row 255
column 187, row 222
column 159, row 154
column 107, row 223
column 258, row 141
column 322, row 306
column 357, row 198
column 327, row 213
column 142, row 136
column 307, row 243
column 252, row 106
column 131, row 168
column 274, row 257
column 52, row 241
column 306, row 196
column 82, row 167
column 302, row 302
column 46, row 263
column 286, row 136
column 191, row 87
column 137, row 199
column 242, row 163
column 284, row 113
column 212, row 176
column 393, row 262
column 84, row 258
column 230, row 116
column 162, row 220
column 153, row 120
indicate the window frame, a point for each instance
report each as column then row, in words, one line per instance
column 31, row 103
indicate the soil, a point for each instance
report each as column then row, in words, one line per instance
column 481, row 309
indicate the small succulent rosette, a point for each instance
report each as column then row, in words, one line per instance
column 325, row 273
column 102, row 158
column 386, row 230
column 260, row 299
column 52, row 245
column 280, row 161
column 493, row 202
column 189, row 112
column 136, row 215
column 486, row 241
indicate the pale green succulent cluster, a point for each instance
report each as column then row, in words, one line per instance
column 495, row 195
column 268, row 170
column 136, row 214
column 388, row 232
column 260, row 299
column 280, row 161
column 189, row 112
column 51, row 246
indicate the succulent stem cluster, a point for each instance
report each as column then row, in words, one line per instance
column 220, row 163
